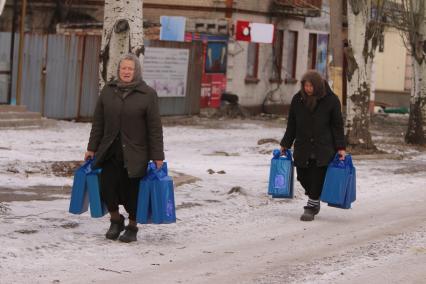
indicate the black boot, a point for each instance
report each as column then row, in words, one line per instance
column 116, row 227
column 309, row 213
column 129, row 234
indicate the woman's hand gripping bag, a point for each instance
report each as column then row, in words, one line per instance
column 281, row 176
column 339, row 188
column 156, row 202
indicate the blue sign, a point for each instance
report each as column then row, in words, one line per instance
column 172, row 28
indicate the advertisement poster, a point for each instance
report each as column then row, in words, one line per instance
column 322, row 43
column 216, row 57
column 166, row 70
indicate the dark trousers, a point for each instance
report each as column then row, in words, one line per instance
column 116, row 186
column 312, row 179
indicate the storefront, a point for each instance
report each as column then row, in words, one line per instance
column 213, row 82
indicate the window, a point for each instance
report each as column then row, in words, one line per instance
column 408, row 73
column 312, row 51
column 252, row 62
column 291, row 46
column 277, row 53
column 318, row 52
column 382, row 43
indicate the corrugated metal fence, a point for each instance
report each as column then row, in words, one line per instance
column 60, row 75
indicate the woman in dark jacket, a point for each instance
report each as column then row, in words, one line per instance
column 126, row 133
column 315, row 125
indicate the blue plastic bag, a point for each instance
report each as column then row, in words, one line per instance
column 281, row 176
column 156, row 203
column 339, row 189
column 79, row 202
column 85, row 191
column 144, row 210
column 97, row 207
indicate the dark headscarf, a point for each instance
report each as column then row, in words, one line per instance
column 318, row 83
column 126, row 87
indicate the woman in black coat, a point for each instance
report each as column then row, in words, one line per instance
column 315, row 125
column 126, row 133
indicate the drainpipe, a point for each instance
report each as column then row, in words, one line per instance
column 21, row 51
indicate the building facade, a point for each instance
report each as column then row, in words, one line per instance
column 263, row 75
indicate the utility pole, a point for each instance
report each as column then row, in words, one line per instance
column 336, row 46
column 21, row 51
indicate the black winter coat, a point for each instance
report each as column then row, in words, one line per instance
column 136, row 118
column 318, row 134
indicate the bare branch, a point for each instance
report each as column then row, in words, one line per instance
column 408, row 17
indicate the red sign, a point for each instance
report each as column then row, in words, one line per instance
column 206, row 91
column 218, row 87
column 242, row 31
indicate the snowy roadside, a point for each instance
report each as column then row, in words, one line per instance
column 43, row 243
column 26, row 154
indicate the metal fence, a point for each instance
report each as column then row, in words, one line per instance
column 60, row 75
column 32, row 75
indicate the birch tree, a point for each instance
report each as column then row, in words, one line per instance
column 409, row 17
column 363, row 36
column 2, row 4
column 122, row 33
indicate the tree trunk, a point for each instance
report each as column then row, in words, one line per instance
column 417, row 120
column 360, row 54
column 122, row 33
column 416, row 37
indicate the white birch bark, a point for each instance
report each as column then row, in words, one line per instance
column 360, row 54
column 417, row 121
column 416, row 131
column 122, row 33
column 2, row 4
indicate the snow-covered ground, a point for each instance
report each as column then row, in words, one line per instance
column 220, row 237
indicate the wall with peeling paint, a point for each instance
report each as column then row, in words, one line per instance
column 253, row 94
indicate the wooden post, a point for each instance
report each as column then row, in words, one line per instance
column 21, row 51
column 12, row 51
column 336, row 47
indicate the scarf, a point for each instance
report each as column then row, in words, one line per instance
column 311, row 101
column 127, row 87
